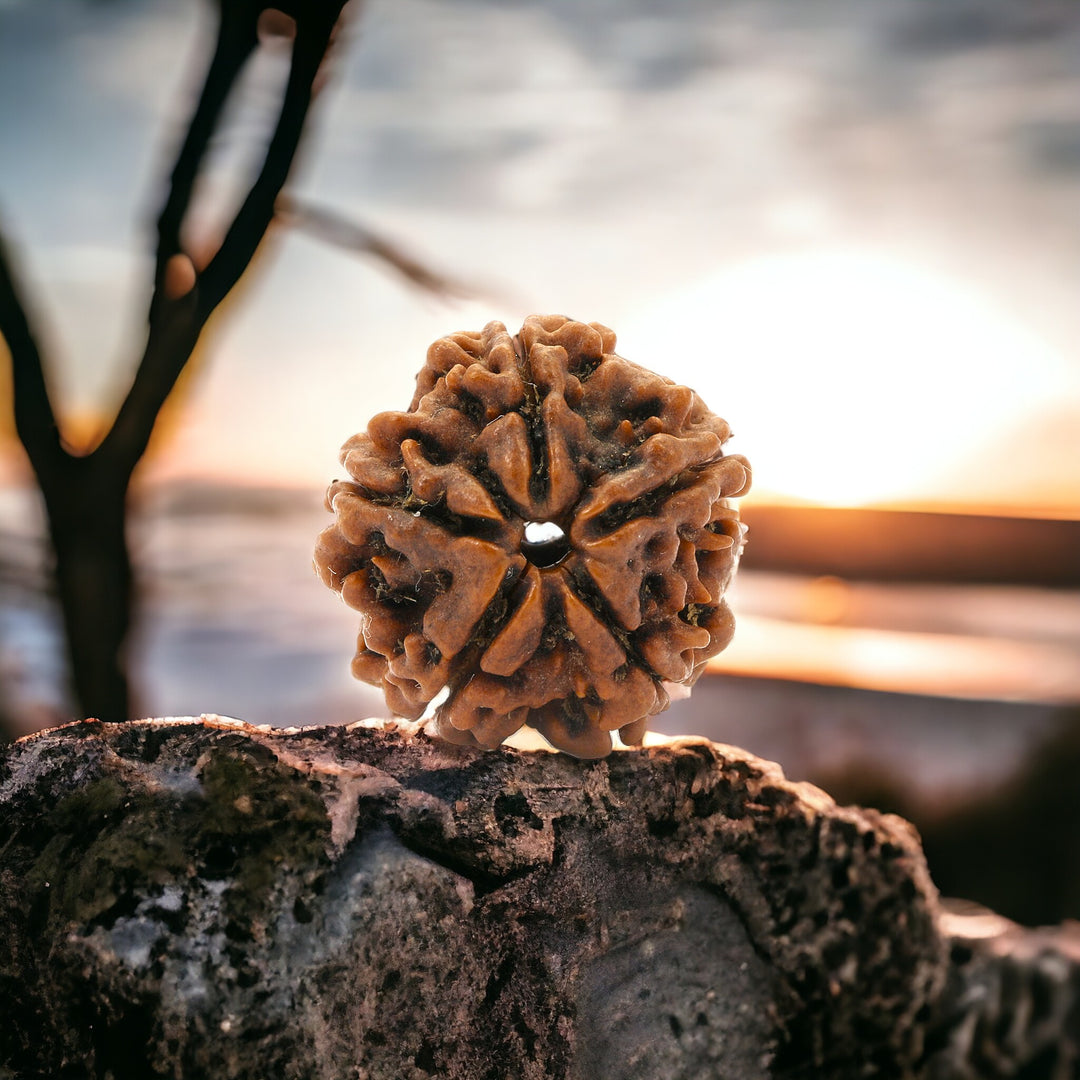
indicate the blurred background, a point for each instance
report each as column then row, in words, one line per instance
column 854, row 228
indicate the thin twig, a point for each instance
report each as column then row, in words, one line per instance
column 334, row 228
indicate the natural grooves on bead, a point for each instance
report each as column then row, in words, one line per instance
column 545, row 533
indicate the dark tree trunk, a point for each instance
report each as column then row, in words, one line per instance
column 94, row 580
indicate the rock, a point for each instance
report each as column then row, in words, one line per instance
column 1011, row 1006
column 201, row 897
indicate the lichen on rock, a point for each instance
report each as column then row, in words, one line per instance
column 546, row 534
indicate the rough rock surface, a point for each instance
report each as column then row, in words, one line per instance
column 1011, row 1006
column 201, row 897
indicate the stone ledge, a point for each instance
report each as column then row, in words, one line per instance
column 188, row 896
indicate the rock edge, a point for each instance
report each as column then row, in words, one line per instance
column 187, row 895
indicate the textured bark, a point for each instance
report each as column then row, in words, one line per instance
column 183, row 898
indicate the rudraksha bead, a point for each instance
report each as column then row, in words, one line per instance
column 546, row 534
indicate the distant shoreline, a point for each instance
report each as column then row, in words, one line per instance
column 905, row 545
column 867, row 544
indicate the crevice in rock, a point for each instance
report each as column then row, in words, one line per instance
column 483, row 881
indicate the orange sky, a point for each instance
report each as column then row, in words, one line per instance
column 849, row 378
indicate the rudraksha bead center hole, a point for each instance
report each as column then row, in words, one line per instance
column 544, row 543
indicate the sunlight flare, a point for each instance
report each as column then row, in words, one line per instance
column 852, row 379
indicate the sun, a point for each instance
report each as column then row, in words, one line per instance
column 850, row 379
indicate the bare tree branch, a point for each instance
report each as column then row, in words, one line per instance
column 315, row 25
column 236, row 41
column 334, row 228
column 35, row 421
column 173, row 336
column 176, row 322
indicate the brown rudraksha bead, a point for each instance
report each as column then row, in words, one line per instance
column 546, row 533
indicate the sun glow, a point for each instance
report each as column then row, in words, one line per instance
column 850, row 379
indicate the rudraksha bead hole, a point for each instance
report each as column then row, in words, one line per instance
column 544, row 543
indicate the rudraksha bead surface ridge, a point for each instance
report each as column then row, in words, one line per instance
column 546, row 535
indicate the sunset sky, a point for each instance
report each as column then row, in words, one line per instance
column 852, row 228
